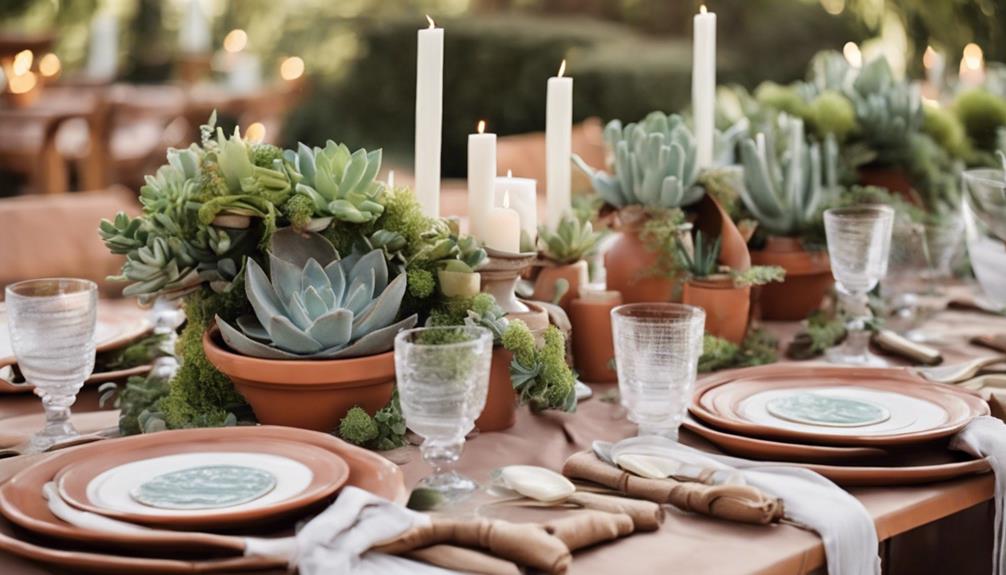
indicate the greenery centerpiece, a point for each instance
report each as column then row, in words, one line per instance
column 295, row 269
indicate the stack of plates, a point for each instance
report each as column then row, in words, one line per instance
column 858, row 426
column 119, row 323
column 197, row 490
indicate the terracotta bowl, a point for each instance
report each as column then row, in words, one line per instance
column 310, row 394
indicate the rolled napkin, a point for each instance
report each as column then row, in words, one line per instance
column 646, row 515
column 739, row 503
column 464, row 560
column 586, row 528
column 811, row 501
column 986, row 437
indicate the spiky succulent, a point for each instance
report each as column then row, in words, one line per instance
column 703, row 261
column 570, row 242
column 316, row 305
column 339, row 183
column 654, row 163
column 786, row 179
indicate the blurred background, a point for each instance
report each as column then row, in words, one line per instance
column 117, row 81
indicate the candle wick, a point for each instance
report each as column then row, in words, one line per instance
column 430, row 20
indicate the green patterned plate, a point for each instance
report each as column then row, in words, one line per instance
column 205, row 487
column 825, row 410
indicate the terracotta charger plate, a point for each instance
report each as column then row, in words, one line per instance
column 21, row 502
column 900, row 407
column 304, row 475
column 769, row 450
column 118, row 324
column 850, row 466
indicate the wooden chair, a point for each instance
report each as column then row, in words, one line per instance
column 57, row 236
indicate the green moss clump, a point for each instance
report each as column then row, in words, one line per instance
column 540, row 375
column 758, row 348
column 298, row 210
column 717, row 353
column 782, row 98
column 357, row 427
column 946, row 130
column 421, row 283
column 403, row 215
column 200, row 395
column 262, row 155
column 832, row 113
column 519, row 341
column 982, row 113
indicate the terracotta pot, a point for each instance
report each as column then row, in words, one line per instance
column 629, row 265
column 500, row 411
column 544, row 284
column 310, row 394
column 895, row 179
column 808, row 279
column 727, row 306
column 593, row 347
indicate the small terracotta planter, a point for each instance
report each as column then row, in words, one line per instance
column 727, row 306
column 630, row 265
column 544, row 284
column 895, row 179
column 310, row 394
column 593, row 347
column 808, row 279
column 500, row 411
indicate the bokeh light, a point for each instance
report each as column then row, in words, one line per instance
column 235, row 40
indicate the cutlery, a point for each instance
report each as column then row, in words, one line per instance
column 959, row 372
column 985, row 382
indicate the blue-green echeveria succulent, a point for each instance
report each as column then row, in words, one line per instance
column 314, row 305
column 338, row 182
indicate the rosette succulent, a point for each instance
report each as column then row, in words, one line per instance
column 654, row 163
column 787, row 180
column 339, row 183
column 314, row 305
column 570, row 242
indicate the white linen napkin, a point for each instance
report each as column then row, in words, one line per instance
column 810, row 501
column 336, row 541
column 986, row 437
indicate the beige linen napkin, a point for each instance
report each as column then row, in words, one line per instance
column 740, row 503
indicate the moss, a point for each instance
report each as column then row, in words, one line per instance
column 758, row 275
column 982, row 113
column 421, row 283
column 758, row 348
column 264, row 154
column 540, row 376
column 946, row 130
column 660, row 235
column 717, row 353
column 403, row 215
column 519, row 341
column 298, row 210
column 832, row 113
column 199, row 394
column 782, row 98
column 357, row 427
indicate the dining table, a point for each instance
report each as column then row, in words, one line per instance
column 938, row 527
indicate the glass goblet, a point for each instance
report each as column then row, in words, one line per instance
column 443, row 377
column 859, row 241
column 657, row 349
column 52, row 324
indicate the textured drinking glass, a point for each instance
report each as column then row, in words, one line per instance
column 859, row 242
column 51, row 324
column 657, row 349
column 983, row 209
column 443, row 377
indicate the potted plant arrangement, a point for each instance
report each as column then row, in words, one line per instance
column 788, row 183
column 295, row 268
column 655, row 176
column 723, row 293
column 563, row 267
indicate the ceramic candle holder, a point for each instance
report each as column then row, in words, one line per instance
column 500, row 273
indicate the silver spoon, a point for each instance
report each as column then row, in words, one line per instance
column 959, row 372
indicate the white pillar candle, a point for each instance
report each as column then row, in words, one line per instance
column 194, row 35
column 103, row 49
column 972, row 68
column 502, row 230
column 558, row 146
column 391, row 179
column 481, row 179
column 704, row 85
column 522, row 195
column 429, row 117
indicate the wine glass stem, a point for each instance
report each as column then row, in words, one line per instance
column 57, row 416
column 442, row 457
column 857, row 336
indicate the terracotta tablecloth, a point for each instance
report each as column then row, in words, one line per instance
column 691, row 544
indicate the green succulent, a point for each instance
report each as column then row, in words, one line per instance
column 570, row 242
column 831, row 113
column 539, row 374
column 654, row 164
column 315, row 305
column 787, row 180
column 887, row 111
column 703, row 261
column 982, row 113
column 829, row 70
column 444, row 244
column 340, row 183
